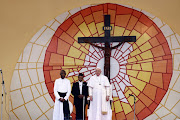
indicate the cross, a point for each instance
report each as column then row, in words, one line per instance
column 107, row 39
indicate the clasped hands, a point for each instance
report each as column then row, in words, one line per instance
column 62, row 99
column 80, row 96
column 91, row 98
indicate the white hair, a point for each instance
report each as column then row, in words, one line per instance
column 98, row 68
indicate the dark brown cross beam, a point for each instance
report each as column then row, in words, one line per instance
column 107, row 39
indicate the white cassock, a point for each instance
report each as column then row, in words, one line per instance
column 63, row 86
column 99, row 88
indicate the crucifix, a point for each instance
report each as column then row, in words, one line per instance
column 107, row 39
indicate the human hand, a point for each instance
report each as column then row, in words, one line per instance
column 62, row 99
column 91, row 98
column 107, row 98
column 80, row 96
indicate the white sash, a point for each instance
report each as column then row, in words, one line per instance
column 104, row 102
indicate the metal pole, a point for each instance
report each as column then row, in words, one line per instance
column 3, row 90
column 2, row 102
column 83, row 106
column 134, row 107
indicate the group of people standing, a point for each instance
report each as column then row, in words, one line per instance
column 97, row 90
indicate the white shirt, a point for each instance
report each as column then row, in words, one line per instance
column 63, row 86
column 80, row 87
column 98, row 82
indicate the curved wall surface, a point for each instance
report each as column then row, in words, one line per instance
column 148, row 68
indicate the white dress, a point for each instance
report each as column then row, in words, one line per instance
column 63, row 86
column 99, row 88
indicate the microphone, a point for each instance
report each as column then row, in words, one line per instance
column 131, row 95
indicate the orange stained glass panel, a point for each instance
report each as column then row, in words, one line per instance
column 160, row 51
column 51, row 94
column 55, row 74
column 78, row 19
column 56, row 59
column 166, row 78
column 98, row 16
column 47, row 58
column 145, row 20
column 132, row 22
column 130, row 116
column 161, row 38
column 67, row 38
column 120, row 116
column 150, row 91
column 58, row 32
column 112, row 14
column 105, row 8
column 123, row 10
column 88, row 19
column 86, row 12
column 153, row 106
column 97, row 8
column 48, row 68
column 160, row 66
column 160, row 92
column 137, row 14
column 152, row 31
column 50, row 87
column 140, row 107
column 63, row 47
column 147, row 101
column 143, row 114
column 47, row 76
column 113, row 116
column 53, row 44
column 157, row 80
column 112, row 6
column 166, row 48
column 154, row 42
column 170, row 66
column 72, row 31
column 140, row 27
column 122, row 20
column 66, row 24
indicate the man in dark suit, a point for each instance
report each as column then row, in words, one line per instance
column 80, row 92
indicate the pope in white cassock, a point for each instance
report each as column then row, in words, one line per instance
column 99, row 93
column 62, row 91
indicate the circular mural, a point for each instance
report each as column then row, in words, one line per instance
column 143, row 68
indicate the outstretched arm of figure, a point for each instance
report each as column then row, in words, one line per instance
column 94, row 45
column 117, row 45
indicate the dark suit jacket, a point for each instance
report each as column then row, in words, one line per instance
column 76, row 92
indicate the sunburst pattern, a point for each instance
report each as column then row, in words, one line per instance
column 142, row 66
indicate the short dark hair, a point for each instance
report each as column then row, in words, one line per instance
column 63, row 71
column 81, row 74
